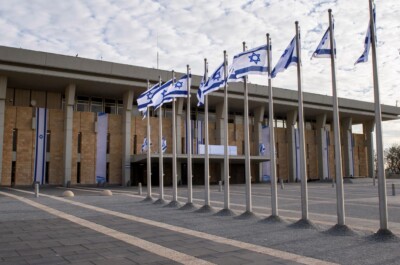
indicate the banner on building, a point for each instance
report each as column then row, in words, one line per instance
column 40, row 146
column 101, row 151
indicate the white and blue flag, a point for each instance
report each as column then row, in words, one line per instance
column 145, row 145
column 324, row 47
column 40, row 146
column 214, row 82
column 164, row 145
column 178, row 90
column 157, row 97
column 367, row 43
column 249, row 62
column 288, row 58
column 144, row 99
column 262, row 149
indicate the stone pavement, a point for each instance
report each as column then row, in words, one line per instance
column 121, row 229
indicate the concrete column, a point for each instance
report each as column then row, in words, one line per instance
column 68, row 124
column 3, row 90
column 258, row 119
column 291, row 118
column 321, row 139
column 179, row 125
column 368, row 129
column 220, row 132
column 346, row 129
column 126, row 137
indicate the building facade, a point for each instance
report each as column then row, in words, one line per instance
column 73, row 91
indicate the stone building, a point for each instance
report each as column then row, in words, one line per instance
column 74, row 90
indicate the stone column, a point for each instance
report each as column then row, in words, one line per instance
column 126, row 137
column 346, row 130
column 258, row 119
column 321, row 146
column 68, row 124
column 220, row 135
column 291, row 118
column 3, row 90
column 179, row 126
column 368, row 129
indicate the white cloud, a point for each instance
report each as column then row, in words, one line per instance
column 126, row 31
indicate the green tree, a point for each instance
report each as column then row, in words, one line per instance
column 392, row 156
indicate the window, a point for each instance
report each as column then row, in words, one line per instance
column 108, row 172
column 78, row 172
column 96, row 105
column 110, row 106
column 120, row 107
column 13, row 169
column 79, row 142
column 82, row 104
column 46, row 178
column 14, row 140
column 48, row 141
column 277, row 150
column 108, row 143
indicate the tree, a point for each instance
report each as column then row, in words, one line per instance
column 392, row 155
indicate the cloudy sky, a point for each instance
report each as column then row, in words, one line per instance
column 126, row 31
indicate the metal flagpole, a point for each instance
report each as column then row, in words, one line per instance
column 148, row 198
column 174, row 202
column 160, row 155
column 336, row 130
column 274, row 192
column 247, row 144
column 303, row 172
column 189, row 204
column 383, row 214
column 207, row 156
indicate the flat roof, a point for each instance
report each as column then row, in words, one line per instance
column 28, row 69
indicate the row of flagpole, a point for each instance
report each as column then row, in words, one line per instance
column 258, row 61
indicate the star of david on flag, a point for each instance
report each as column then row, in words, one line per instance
column 367, row 42
column 288, row 58
column 145, row 99
column 178, row 90
column 262, row 149
column 157, row 98
column 145, row 145
column 213, row 83
column 249, row 62
column 324, row 47
column 164, row 145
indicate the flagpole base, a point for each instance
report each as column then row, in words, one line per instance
column 148, row 199
column 340, row 230
column 188, row 206
column 173, row 204
column 303, row 224
column 225, row 212
column 160, row 202
column 273, row 219
column 205, row 209
column 384, row 235
column 247, row 215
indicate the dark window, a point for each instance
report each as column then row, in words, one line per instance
column 13, row 169
column 14, row 140
column 96, row 105
column 110, row 106
column 108, row 143
column 46, row 178
column 79, row 142
column 78, row 172
column 277, row 150
column 108, row 172
column 48, row 141
column 134, row 144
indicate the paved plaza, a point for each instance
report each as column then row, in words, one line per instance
column 122, row 229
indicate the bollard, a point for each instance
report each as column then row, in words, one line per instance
column 140, row 188
column 37, row 190
column 393, row 190
column 220, row 186
column 281, row 180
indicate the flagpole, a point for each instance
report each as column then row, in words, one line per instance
column 174, row 202
column 247, row 144
column 189, row 204
column 206, row 144
column 160, row 155
column 336, row 131
column 274, row 192
column 149, row 197
column 383, row 214
column 303, row 172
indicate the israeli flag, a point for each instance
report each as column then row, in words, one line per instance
column 367, row 43
column 288, row 58
column 216, row 81
column 157, row 98
column 178, row 90
column 249, row 62
column 262, row 149
column 145, row 99
column 164, row 145
column 145, row 145
column 324, row 47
